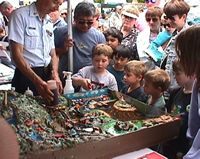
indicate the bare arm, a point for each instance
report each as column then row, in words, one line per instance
column 55, row 64
column 83, row 82
column 17, row 53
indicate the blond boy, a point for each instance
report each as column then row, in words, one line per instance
column 134, row 72
column 97, row 76
column 155, row 83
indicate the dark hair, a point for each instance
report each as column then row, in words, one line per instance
column 84, row 9
column 114, row 32
column 187, row 46
column 122, row 51
column 176, row 7
column 177, row 67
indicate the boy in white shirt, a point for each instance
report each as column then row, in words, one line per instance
column 97, row 76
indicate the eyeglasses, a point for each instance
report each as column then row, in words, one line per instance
column 153, row 19
column 82, row 22
column 152, row 1
column 169, row 17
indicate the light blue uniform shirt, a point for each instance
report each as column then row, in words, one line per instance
column 35, row 34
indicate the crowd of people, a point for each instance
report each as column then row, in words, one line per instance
column 150, row 54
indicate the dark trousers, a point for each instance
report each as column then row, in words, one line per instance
column 21, row 82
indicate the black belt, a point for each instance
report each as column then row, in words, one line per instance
column 46, row 69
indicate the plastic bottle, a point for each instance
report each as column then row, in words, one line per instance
column 28, row 92
column 53, row 87
column 68, row 83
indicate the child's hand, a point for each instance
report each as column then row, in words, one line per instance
column 86, row 84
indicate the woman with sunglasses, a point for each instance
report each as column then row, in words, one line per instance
column 145, row 37
column 156, row 48
column 142, row 24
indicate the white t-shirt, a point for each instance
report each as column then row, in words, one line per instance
column 106, row 80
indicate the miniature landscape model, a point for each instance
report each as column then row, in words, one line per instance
column 79, row 118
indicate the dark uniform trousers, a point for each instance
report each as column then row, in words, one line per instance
column 21, row 82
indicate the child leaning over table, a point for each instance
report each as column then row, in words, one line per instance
column 133, row 78
column 96, row 76
column 155, row 83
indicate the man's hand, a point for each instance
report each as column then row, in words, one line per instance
column 44, row 91
column 68, row 43
column 59, row 84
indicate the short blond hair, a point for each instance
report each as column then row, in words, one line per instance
column 102, row 49
column 158, row 78
column 138, row 68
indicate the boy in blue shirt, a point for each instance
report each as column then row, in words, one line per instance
column 122, row 55
column 133, row 78
column 155, row 83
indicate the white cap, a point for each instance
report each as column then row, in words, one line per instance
column 63, row 11
column 118, row 7
column 129, row 14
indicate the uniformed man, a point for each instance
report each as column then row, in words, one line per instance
column 32, row 48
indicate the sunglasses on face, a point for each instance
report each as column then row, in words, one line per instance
column 82, row 22
column 150, row 1
column 169, row 17
column 153, row 19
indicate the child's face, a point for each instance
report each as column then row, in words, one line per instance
column 100, row 63
column 181, row 78
column 131, row 79
column 112, row 41
column 150, row 89
column 120, row 62
column 176, row 21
